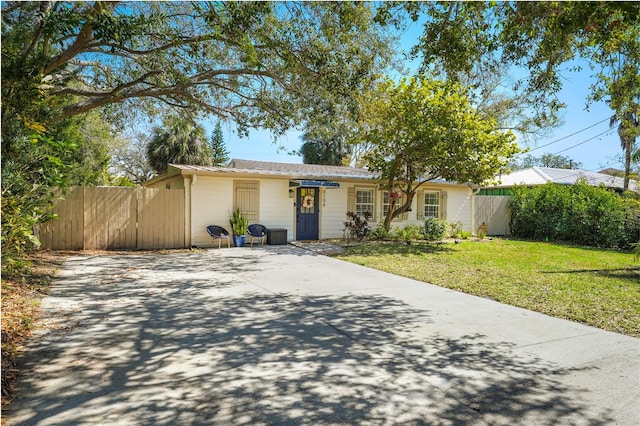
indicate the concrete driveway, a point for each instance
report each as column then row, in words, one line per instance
column 280, row 335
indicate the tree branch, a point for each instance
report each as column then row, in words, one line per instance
column 34, row 42
column 83, row 38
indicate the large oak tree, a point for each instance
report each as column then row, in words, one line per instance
column 259, row 64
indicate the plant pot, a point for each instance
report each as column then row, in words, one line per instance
column 238, row 240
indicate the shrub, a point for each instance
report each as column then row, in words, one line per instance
column 411, row 232
column 482, row 231
column 577, row 213
column 395, row 233
column 456, row 229
column 357, row 227
column 380, row 233
column 434, row 229
column 34, row 174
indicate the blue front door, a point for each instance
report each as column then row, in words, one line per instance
column 307, row 214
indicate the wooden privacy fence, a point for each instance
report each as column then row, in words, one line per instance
column 110, row 218
column 494, row 211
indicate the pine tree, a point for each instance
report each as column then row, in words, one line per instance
column 220, row 155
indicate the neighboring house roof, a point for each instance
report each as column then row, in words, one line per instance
column 542, row 175
column 613, row 172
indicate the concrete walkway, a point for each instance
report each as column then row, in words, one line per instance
column 280, row 335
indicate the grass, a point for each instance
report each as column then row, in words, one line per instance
column 592, row 286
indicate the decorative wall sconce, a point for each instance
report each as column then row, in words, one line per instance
column 291, row 193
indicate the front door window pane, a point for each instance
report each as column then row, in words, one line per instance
column 307, row 200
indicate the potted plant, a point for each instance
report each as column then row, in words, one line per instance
column 239, row 225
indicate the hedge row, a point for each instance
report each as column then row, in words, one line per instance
column 578, row 213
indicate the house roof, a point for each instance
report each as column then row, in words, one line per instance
column 274, row 169
column 302, row 170
column 542, row 175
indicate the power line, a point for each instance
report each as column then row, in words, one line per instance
column 568, row 136
column 585, row 141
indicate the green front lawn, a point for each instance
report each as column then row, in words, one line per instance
column 596, row 287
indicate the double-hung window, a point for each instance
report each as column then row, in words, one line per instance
column 365, row 198
column 432, row 205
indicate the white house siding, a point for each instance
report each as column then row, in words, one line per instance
column 213, row 202
column 276, row 208
column 458, row 209
column 459, row 206
column 333, row 209
column 174, row 182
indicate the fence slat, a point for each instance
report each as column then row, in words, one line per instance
column 66, row 232
column 160, row 218
column 108, row 218
column 493, row 211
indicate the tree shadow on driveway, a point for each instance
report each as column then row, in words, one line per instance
column 187, row 340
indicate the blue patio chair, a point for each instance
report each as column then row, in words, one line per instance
column 257, row 231
column 219, row 233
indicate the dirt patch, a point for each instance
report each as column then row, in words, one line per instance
column 21, row 295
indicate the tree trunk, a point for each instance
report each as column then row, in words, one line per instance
column 627, row 161
column 397, row 212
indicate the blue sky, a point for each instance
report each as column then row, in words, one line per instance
column 585, row 135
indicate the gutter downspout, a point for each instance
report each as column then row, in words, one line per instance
column 194, row 180
column 187, row 211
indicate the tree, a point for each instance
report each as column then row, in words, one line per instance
column 260, row 64
column 257, row 63
column 546, row 160
column 220, row 155
column 540, row 38
column 330, row 151
column 178, row 141
column 94, row 139
column 627, row 132
column 605, row 34
column 326, row 136
column 33, row 175
column 422, row 130
column 38, row 165
column 461, row 42
column 129, row 159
